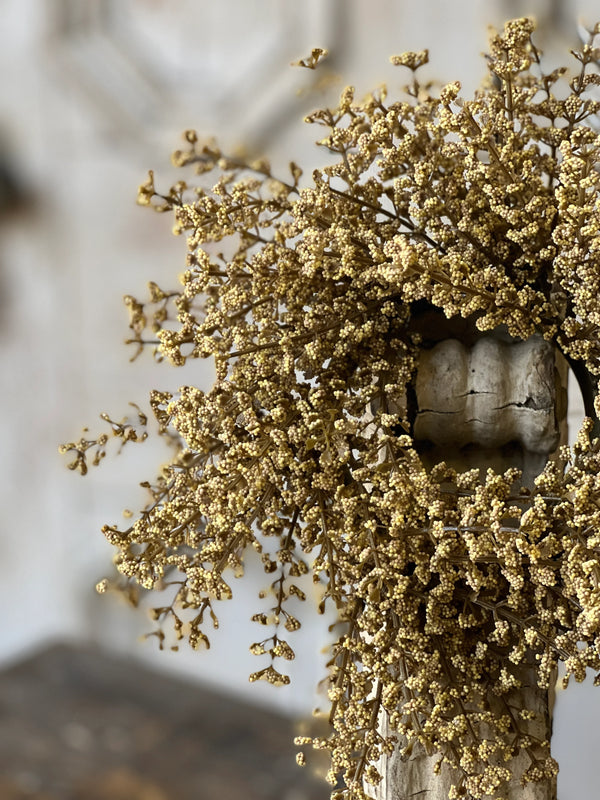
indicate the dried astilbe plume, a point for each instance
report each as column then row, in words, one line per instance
column 446, row 584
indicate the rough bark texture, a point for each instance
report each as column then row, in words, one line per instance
column 499, row 404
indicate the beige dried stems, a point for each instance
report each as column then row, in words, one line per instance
column 445, row 584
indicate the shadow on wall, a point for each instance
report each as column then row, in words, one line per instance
column 15, row 202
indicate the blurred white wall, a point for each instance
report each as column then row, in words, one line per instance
column 93, row 94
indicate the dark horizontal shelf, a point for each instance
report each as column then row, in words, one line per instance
column 80, row 724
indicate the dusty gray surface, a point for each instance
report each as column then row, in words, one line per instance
column 78, row 724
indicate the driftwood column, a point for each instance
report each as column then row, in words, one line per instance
column 486, row 402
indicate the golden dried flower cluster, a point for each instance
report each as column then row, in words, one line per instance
column 447, row 585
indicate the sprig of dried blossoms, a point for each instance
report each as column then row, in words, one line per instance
column 447, row 585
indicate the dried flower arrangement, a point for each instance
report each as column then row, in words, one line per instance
column 444, row 582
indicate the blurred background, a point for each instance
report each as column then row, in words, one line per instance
column 94, row 93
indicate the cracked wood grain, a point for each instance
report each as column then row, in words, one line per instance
column 493, row 393
column 500, row 404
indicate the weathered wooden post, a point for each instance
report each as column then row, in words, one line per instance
column 483, row 401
